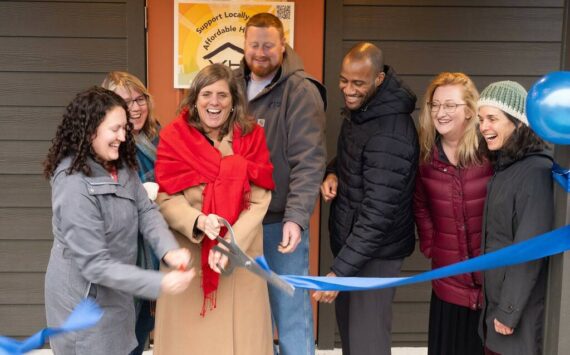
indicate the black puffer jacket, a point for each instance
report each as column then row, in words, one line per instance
column 376, row 163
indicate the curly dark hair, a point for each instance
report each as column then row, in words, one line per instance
column 78, row 128
column 521, row 142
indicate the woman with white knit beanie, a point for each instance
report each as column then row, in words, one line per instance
column 519, row 206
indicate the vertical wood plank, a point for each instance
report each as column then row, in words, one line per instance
column 333, row 54
column 557, row 323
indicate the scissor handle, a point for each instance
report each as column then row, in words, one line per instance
column 233, row 259
column 229, row 228
column 224, row 242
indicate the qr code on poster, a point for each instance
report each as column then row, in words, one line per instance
column 283, row 12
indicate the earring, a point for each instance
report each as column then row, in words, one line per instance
column 232, row 110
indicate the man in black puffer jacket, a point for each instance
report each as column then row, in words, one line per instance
column 371, row 183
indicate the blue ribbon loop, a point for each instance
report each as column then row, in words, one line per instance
column 85, row 315
column 548, row 244
column 560, row 175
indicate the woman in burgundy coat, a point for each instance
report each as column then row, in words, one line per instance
column 451, row 186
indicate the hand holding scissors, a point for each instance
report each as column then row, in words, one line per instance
column 237, row 258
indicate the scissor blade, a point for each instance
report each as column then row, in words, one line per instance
column 241, row 259
column 270, row 277
column 278, row 282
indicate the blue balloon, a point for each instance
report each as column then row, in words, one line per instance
column 548, row 107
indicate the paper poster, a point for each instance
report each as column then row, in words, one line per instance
column 208, row 32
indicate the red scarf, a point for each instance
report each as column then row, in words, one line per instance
column 185, row 158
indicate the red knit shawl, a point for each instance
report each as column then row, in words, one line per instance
column 185, row 158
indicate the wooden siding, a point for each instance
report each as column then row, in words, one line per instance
column 489, row 40
column 25, row 223
column 51, row 50
column 82, row 20
column 434, row 24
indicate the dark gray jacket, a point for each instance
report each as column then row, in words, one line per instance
column 519, row 206
column 291, row 110
column 95, row 225
column 376, row 164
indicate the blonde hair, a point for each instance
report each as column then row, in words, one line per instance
column 121, row 79
column 467, row 150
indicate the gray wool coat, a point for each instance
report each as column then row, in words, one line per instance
column 95, row 225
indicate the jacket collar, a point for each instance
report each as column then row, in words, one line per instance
column 391, row 98
column 503, row 161
column 98, row 172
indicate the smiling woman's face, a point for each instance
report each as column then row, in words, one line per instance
column 495, row 127
column 449, row 113
column 214, row 105
column 110, row 134
column 137, row 104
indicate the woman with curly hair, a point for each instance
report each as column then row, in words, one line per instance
column 145, row 131
column 519, row 206
column 99, row 207
column 448, row 206
column 213, row 161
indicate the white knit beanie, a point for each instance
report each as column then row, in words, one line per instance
column 508, row 96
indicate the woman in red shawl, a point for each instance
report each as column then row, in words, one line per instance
column 213, row 161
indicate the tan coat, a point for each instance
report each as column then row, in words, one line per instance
column 241, row 322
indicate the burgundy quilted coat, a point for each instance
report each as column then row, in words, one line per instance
column 448, row 208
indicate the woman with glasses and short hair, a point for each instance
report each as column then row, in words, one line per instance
column 145, row 132
column 448, row 205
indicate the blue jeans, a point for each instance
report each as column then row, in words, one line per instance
column 293, row 316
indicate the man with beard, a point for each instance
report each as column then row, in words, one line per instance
column 290, row 105
column 371, row 183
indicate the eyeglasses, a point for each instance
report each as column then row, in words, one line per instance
column 448, row 107
column 141, row 101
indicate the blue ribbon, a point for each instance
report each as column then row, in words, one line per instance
column 88, row 313
column 551, row 243
column 85, row 315
column 548, row 244
column 560, row 175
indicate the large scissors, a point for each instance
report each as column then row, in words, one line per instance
column 238, row 258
